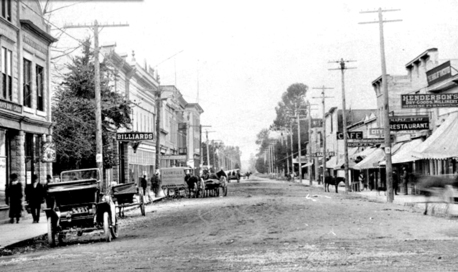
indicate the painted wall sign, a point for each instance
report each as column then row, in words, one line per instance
column 439, row 73
column 134, row 136
column 10, row 106
column 174, row 157
column 409, row 101
column 317, row 123
column 353, row 135
column 320, row 154
column 414, row 122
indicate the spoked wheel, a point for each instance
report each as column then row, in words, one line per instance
column 216, row 192
column 51, row 233
column 142, row 205
column 114, row 229
column 106, row 227
column 224, row 190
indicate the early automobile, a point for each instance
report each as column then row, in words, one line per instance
column 80, row 202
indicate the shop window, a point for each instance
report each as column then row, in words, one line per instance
column 6, row 9
column 39, row 76
column 32, row 155
column 7, row 70
column 27, row 88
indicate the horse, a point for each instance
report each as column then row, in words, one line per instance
column 329, row 180
column 434, row 186
column 193, row 185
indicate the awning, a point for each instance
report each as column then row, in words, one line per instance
column 404, row 154
column 366, row 152
column 331, row 163
column 442, row 144
column 371, row 161
column 307, row 164
column 394, row 150
column 351, row 162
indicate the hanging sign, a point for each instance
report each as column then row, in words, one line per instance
column 317, row 123
column 351, row 135
column 366, row 142
column 429, row 100
column 49, row 152
column 439, row 73
column 414, row 122
column 134, row 136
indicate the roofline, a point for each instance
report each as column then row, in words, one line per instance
column 422, row 55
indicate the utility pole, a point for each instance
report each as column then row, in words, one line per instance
column 309, row 107
column 344, row 120
column 323, row 97
column 208, row 150
column 386, row 113
column 299, row 143
column 292, row 150
column 98, row 100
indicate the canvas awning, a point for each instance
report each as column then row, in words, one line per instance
column 442, row 144
column 351, row 162
column 366, row 152
column 307, row 164
column 394, row 150
column 331, row 163
column 371, row 161
column 404, row 154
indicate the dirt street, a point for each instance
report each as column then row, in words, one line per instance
column 261, row 225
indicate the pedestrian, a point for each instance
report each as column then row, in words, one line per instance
column 363, row 180
column 404, row 179
column 35, row 195
column 395, row 182
column 15, row 195
column 143, row 184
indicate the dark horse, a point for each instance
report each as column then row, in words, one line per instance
column 435, row 186
column 332, row 181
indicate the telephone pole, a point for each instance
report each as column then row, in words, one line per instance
column 208, row 150
column 386, row 113
column 344, row 120
column 323, row 97
column 98, row 113
column 309, row 107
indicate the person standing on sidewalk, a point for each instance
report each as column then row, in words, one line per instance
column 143, row 184
column 35, row 195
column 15, row 198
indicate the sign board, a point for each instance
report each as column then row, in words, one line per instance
column 174, row 157
column 351, row 135
column 366, row 142
column 49, row 152
column 376, row 131
column 414, row 122
column 409, row 101
column 317, row 123
column 320, row 154
column 173, row 175
column 439, row 73
column 98, row 158
column 134, row 136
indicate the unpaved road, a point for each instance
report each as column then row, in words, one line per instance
column 260, row 226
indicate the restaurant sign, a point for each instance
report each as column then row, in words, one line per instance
column 134, row 136
column 439, row 73
column 414, row 122
column 409, row 101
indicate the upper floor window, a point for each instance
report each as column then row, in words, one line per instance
column 27, row 88
column 39, row 76
column 6, row 9
column 7, row 78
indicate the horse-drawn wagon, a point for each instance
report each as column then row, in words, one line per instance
column 80, row 202
column 127, row 195
column 173, row 182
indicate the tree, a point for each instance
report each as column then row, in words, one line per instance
column 73, row 112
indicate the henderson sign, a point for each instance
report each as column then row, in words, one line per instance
column 429, row 100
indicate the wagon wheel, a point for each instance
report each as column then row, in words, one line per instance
column 106, row 227
column 51, row 233
column 114, row 229
column 224, row 188
column 216, row 191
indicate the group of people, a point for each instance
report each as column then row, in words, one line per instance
column 398, row 181
column 154, row 183
column 35, row 195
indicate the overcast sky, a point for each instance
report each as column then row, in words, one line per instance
column 238, row 57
